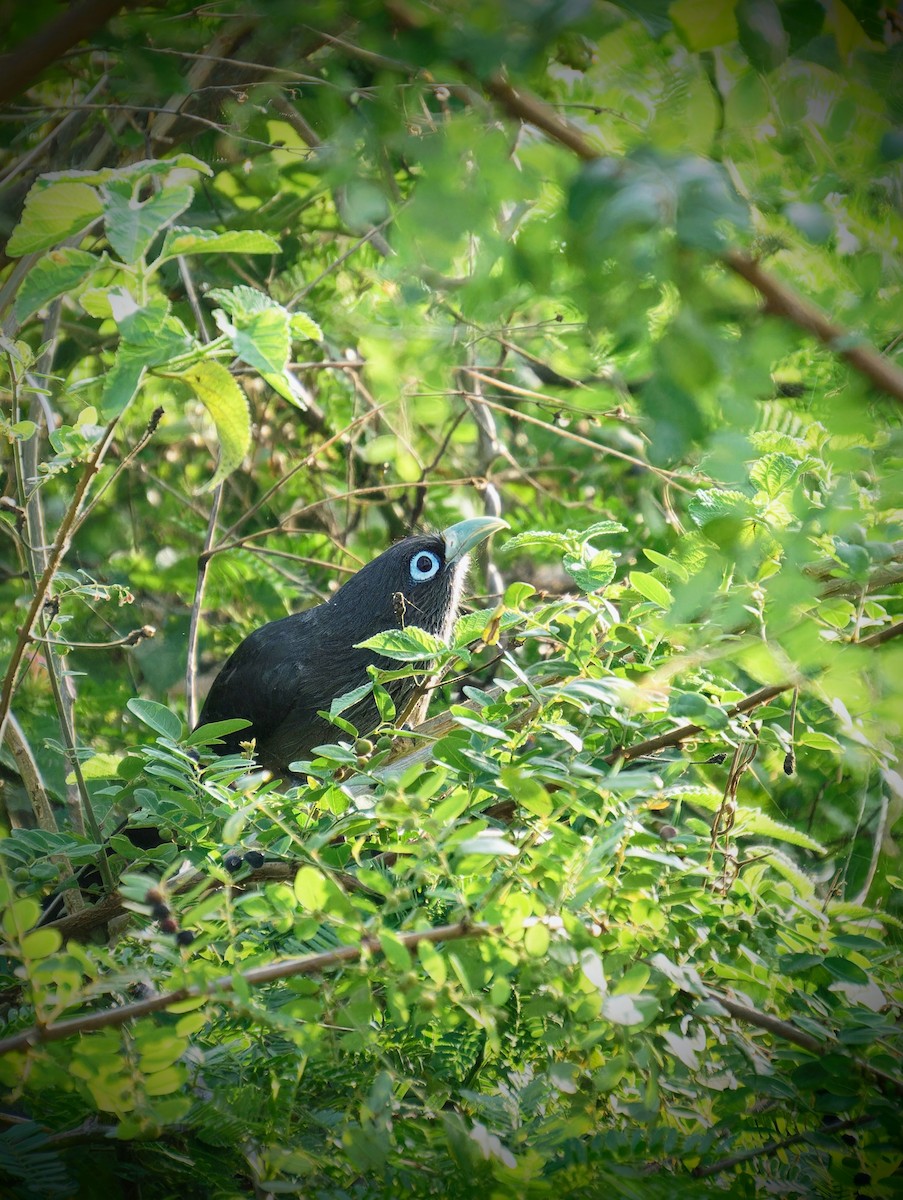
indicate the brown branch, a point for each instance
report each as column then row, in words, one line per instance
column 130, row 639
column 218, row 989
column 675, row 736
column 791, row 1033
column 882, row 635
column 770, row 1148
column 21, row 67
column 780, row 299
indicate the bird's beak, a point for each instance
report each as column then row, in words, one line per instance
column 461, row 538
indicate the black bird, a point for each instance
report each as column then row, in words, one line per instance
column 284, row 672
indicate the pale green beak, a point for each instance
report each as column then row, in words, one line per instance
column 460, row 539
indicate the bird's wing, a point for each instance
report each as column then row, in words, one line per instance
column 266, row 677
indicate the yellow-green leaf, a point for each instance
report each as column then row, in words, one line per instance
column 228, row 407
column 52, row 214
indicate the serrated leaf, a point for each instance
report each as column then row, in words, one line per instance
column 56, row 274
column 753, row 821
column 600, row 528
column 261, row 339
column 596, row 572
column 304, row 326
column 132, row 224
column 228, row 407
column 715, row 503
column 774, row 473
column 242, row 300
column 155, row 716
column 411, row 644
column 51, row 214
column 535, row 538
column 651, row 589
column 183, row 240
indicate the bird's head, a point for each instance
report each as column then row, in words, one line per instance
column 418, row 581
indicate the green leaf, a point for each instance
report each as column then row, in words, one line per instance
column 155, row 716
column 132, row 224
column 242, row 301
column 717, row 503
column 753, row 821
column 761, row 33
column 228, row 407
column 349, row 699
column 304, row 326
column 668, row 565
column 536, row 538
column 691, row 706
column 410, row 644
column 774, row 473
column 311, row 889
column 842, row 968
column 122, row 381
column 651, row 588
column 215, row 731
column 184, row 239
column 702, row 24
column 432, row 962
column 395, row 951
column 600, row 528
column 263, row 341
column 51, row 214
column 56, row 274
column 41, row 943
column 593, row 572
column 145, row 168
column 817, row 740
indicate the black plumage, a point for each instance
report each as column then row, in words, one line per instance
column 283, row 673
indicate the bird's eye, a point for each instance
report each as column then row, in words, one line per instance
column 424, row 566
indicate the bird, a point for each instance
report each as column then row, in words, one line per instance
column 284, row 673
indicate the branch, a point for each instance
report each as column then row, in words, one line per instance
column 791, row 1033
column 217, row 989
column 770, row 1148
column 20, row 68
column 779, row 297
column 675, row 736
column 784, row 302
column 42, row 591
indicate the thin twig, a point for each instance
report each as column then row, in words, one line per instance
column 57, row 553
column 191, row 662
